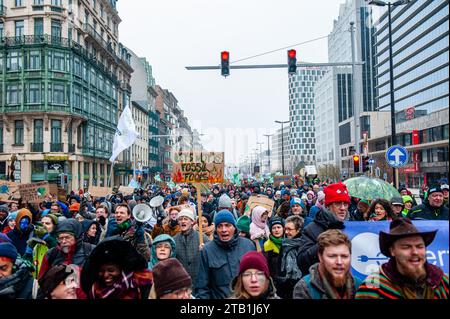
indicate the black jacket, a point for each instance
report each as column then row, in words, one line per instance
column 323, row 221
column 425, row 211
column 19, row 285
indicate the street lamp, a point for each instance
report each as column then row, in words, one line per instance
column 282, row 143
column 391, row 69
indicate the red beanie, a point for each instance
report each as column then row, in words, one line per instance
column 336, row 193
column 254, row 260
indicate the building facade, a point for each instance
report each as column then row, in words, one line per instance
column 420, row 45
column 64, row 79
column 302, row 138
column 276, row 164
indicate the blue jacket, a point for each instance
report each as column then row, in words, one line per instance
column 219, row 264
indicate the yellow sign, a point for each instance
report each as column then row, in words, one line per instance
column 198, row 167
column 56, row 158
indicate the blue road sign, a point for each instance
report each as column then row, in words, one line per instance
column 397, row 156
column 371, row 161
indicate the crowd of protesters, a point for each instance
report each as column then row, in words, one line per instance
column 94, row 248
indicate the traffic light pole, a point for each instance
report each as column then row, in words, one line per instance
column 271, row 66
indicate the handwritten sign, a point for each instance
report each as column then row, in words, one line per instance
column 259, row 200
column 97, row 191
column 286, row 179
column 34, row 193
column 198, row 167
column 126, row 190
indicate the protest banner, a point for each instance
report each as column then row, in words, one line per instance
column 285, row 179
column 260, row 200
column 9, row 188
column 198, row 167
column 34, row 193
column 366, row 255
column 97, row 191
column 126, row 190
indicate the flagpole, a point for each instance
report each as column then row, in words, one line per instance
column 111, row 175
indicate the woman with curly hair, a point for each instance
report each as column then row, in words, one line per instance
column 380, row 210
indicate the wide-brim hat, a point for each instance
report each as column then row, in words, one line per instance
column 112, row 250
column 402, row 228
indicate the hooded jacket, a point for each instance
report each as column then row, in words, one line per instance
column 20, row 238
column 313, row 287
column 86, row 224
column 258, row 229
column 19, row 285
column 162, row 238
column 308, row 248
column 219, row 264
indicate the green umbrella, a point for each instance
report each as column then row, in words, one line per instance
column 367, row 188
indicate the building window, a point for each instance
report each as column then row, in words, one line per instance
column 56, row 29
column 38, row 26
column 56, row 132
column 38, row 2
column 57, row 3
column 59, row 94
column 58, row 61
column 1, row 29
column 18, row 132
column 34, row 93
column 38, row 131
column 14, row 61
column 18, row 3
column 19, row 28
column 13, row 94
column 34, row 62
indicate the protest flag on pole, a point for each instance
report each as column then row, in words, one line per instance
column 126, row 133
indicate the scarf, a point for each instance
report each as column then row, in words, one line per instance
column 128, row 287
column 227, row 245
column 414, row 289
column 276, row 241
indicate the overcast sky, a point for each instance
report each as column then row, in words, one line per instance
column 235, row 112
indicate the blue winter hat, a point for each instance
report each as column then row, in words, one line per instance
column 4, row 238
column 297, row 201
column 9, row 251
column 224, row 216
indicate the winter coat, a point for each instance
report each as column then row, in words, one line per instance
column 86, row 225
column 425, row 211
column 308, row 242
column 19, row 239
column 258, row 229
column 312, row 286
column 219, row 264
column 188, row 252
column 162, row 238
column 19, row 285
column 288, row 273
column 165, row 229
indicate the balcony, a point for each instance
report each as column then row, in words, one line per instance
column 56, row 147
column 71, row 148
column 2, row 11
column 37, row 147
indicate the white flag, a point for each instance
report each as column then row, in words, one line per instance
column 126, row 133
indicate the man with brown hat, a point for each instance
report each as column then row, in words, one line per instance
column 407, row 274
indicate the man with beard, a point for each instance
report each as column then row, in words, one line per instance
column 330, row 278
column 407, row 274
column 220, row 259
column 188, row 243
column 332, row 216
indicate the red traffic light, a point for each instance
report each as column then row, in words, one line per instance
column 225, row 55
column 356, row 158
column 292, row 54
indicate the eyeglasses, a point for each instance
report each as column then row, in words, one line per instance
column 259, row 275
column 340, row 204
column 60, row 239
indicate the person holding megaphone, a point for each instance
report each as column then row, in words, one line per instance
column 122, row 224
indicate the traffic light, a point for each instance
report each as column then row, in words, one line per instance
column 66, row 179
column 225, row 61
column 292, row 61
column 365, row 164
column 356, row 163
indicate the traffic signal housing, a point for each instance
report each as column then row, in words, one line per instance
column 356, row 159
column 365, row 164
column 292, row 61
column 225, row 63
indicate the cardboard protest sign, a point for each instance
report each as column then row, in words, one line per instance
column 34, row 193
column 126, row 190
column 260, row 200
column 53, row 189
column 62, row 195
column 9, row 188
column 198, row 167
column 97, row 191
column 285, row 179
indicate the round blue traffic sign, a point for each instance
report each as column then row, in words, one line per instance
column 397, row 156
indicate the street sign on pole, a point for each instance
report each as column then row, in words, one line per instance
column 397, row 156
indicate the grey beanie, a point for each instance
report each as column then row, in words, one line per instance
column 224, row 202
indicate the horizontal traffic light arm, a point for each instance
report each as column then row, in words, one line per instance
column 271, row 66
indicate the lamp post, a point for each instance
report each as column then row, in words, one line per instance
column 282, row 143
column 268, row 147
column 391, row 71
